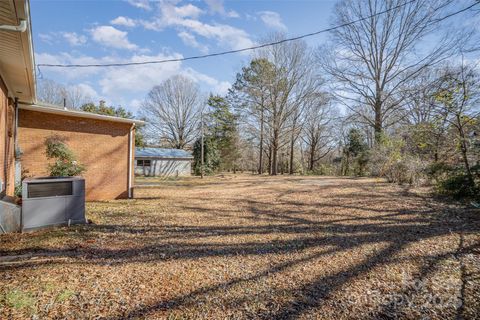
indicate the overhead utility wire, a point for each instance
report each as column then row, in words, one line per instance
column 249, row 48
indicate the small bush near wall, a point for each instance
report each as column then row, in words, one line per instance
column 65, row 164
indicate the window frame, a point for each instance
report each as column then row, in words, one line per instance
column 144, row 163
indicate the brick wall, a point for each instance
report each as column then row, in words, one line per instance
column 102, row 146
column 7, row 126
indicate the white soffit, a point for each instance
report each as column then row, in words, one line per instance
column 16, row 51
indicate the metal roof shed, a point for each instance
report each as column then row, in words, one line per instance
column 162, row 162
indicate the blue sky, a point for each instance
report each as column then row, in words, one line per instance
column 83, row 32
column 137, row 30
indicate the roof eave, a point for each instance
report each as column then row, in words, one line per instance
column 24, row 61
column 75, row 113
column 159, row 157
column 27, row 43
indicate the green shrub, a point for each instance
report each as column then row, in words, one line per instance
column 323, row 169
column 458, row 185
column 453, row 181
column 18, row 191
column 65, row 163
column 438, row 172
column 211, row 158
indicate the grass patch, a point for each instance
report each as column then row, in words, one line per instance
column 65, row 295
column 20, row 300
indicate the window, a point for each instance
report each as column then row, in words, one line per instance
column 143, row 163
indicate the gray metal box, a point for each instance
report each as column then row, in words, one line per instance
column 10, row 215
column 52, row 201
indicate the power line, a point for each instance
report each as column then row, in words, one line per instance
column 248, row 48
column 458, row 12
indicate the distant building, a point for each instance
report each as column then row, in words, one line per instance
column 153, row 162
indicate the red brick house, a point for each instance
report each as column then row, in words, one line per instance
column 104, row 144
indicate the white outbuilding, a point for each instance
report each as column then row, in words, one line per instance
column 151, row 162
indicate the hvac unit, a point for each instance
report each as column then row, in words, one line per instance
column 52, row 201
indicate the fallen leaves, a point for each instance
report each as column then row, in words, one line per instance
column 251, row 247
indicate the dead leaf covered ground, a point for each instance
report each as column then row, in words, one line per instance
column 250, row 247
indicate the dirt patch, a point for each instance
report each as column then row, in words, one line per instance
column 252, row 247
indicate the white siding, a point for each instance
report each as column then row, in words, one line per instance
column 164, row 167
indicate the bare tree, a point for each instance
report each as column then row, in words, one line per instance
column 459, row 98
column 51, row 92
column 289, row 85
column 172, row 110
column 76, row 97
column 297, row 122
column 374, row 57
column 250, row 96
column 317, row 133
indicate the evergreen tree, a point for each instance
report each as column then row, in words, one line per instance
column 222, row 127
column 355, row 152
column 211, row 159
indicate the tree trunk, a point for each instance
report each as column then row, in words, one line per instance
column 346, row 163
column 312, row 157
column 274, row 154
column 270, row 159
column 463, row 148
column 292, row 145
column 282, row 165
column 260, row 160
column 378, row 126
column 274, row 162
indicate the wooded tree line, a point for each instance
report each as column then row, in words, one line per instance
column 395, row 94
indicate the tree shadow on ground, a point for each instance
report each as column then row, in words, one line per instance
column 333, row 233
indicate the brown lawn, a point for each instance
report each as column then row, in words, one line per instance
column 252, row 248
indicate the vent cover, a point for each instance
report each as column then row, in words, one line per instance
column 50, row 189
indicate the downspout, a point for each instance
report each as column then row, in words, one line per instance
column 22, row 27
column 16, row 148
column 15, row 131
column 130, row 163
column 3, row 189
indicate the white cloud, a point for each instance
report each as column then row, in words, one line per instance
column 46, row 37
column 142, row 4
column 87, row 90
column 190, row 40
column 128, row 85
column 66, row 58
column 123, row 21
column 272, row 20
column 185, row 18
column 225, row 35
column 188, row 10
column 216, row 86
column 111, row 37
column 134, row 105
column 217, row 6
column 170, row 14
column 74, row 39
column 115, row 85
column 140, row 78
